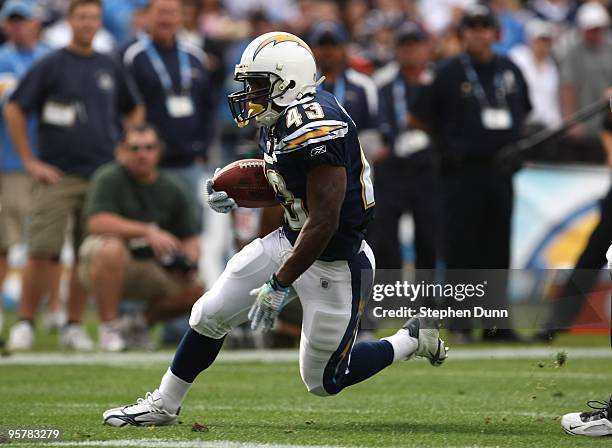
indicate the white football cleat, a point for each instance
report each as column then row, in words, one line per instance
column 110, row 338
column 147, row 411
column 430, row 345
column 21, row 337
column 74, row 337
column 594, row 423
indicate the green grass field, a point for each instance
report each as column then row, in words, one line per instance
column 465, row 403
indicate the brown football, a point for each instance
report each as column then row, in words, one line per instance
column 245, row 182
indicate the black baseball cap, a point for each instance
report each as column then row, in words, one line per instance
column 410, row 32
column 327, row 33
column 478, row 16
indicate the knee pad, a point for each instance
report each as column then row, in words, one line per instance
column 322, row 341
column 205, row 321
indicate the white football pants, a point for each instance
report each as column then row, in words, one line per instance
column 332, row 294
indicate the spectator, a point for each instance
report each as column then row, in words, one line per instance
column 16, row 57
column 78, row 96
column 354, row 91
column 174, row 81
column 475, row 106
column 541, row 73
column 118, row 17
column 377, row 39
column 405, row 180
column 586, row 71
column 59, row 35
column 439, row 16
column 142, row 241
column 355, row 13
column 512, row 29
column 191, row 32
column 283, row 11
column 560, row 12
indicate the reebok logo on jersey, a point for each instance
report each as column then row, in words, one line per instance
column 318, row 150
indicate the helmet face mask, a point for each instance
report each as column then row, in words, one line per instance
column 255, row 99
column 276, row 69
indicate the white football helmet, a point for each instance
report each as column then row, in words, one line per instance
column 276, row 69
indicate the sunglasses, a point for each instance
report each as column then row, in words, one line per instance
column 147, row 147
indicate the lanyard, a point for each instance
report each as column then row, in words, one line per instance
column 160, row 68
column 339, row 89
column 400, row 103
column 472, row 76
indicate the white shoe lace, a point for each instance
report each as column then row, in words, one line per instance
column 149, row 400
column 149, row 403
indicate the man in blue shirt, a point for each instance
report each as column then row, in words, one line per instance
column 406, row 177
column 79, row 97
column 16, row 57
column 476, row 105
column 173, row 78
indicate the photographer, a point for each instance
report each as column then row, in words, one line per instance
column 142, row 242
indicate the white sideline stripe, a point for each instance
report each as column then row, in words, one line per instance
column 138, row 359
column 177, row 443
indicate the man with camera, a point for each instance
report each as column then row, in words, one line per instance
column 142, row 242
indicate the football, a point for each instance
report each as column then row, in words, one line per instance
column 245, row 182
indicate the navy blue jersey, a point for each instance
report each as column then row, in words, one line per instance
column 312, row 132
column 188, row 137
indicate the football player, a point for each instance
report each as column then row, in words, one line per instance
column 315, row 164
column 598, row 421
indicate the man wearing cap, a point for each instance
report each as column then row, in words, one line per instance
column 586, row 71
column 16, row 57
column 541, row 73
column 405, row 179
column 355, row 91
column 475, row 106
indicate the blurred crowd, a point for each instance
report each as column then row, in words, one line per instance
column 162, row 69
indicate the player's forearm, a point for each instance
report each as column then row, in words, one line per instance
column 326, row 187
column 112, row 224
column 16, row 122
column 311, row 243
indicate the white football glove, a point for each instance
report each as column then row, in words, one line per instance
column 219, row 201
column 271, row 299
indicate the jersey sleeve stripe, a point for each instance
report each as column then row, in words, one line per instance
column 313, row 133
